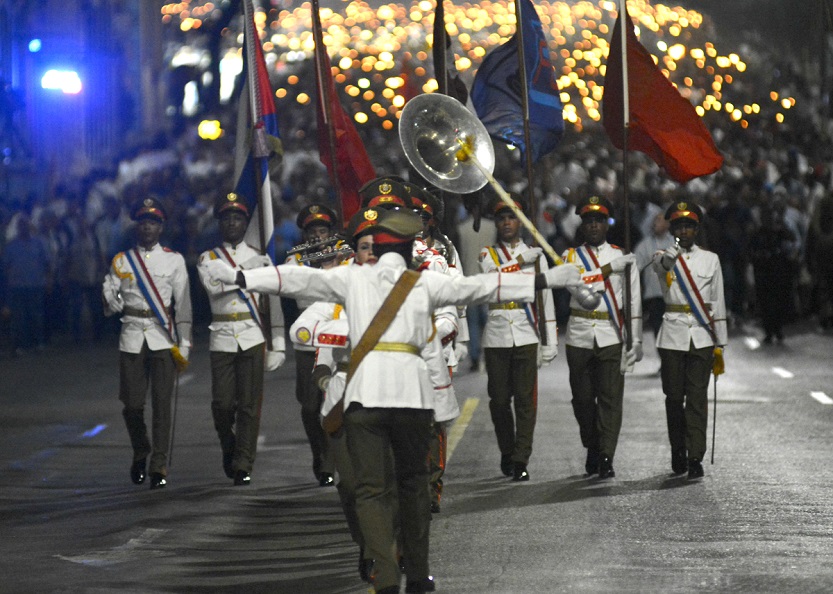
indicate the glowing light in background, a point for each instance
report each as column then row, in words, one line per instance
column 369, row 48
column 66, row 81
column 209, row 130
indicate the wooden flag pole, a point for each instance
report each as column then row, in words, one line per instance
column 322, row 65
column 530, row 185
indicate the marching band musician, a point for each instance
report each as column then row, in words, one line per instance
column 595, row 338
column 446, row 320
column 692, row 336
column 317, row 223
column 148, row 285
column 237, row 344
column 388, row 404
column 512, row 347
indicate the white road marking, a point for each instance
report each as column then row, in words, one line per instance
column 752, row 343
column 781, row 372
column 121, row 553
column 822, row 397
column 460, row 425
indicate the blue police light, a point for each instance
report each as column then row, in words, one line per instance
column 66, row 81
column 35, row 45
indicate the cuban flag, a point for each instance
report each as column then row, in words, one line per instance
column 258, row 139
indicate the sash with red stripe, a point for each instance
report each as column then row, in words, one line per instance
column 693, row 297
column 590, row 262
column 531, row 314
column 222, row 254
column 150, row 292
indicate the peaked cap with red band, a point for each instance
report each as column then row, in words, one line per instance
column 684, row 211
column 149, row 208
column 316, row 214
column 231, row 202
column 593, row 205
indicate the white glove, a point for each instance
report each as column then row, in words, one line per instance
column 185, row 352
column 548, row 353
column 564, row 275
column 256, row 262
column 222, row 272
column 529, row 257
column 618, row 264
column 114, row 302
column 274, row 359
column 461, row 350
column 629, row 358
column 670, row 256
column 588, row 298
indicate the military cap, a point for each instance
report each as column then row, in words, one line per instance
column 498, row 205
column 149, row 208
column 316, row 214
column 593, row 205
column 385, row 192
column 424, row 201
column 231, row 202
column 684, row 210
column 387, row 226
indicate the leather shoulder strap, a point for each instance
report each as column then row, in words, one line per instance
column 382, row 320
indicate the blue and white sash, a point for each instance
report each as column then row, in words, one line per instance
column 589, row 261
column 222, row 254
column 150, row 292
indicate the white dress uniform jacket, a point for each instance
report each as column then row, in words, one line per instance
column 167, row 269
column 511, row 327
column 390, row 379
column 302, row 302
column 228, row 335
column 680, row 329
column 582, row 332
column 325, row 327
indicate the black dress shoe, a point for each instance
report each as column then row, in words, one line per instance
column 242, row 479
column 325, row 479
column 695, row 469
column 606, row 467
column 679, row 461
column 423, row 585
column 520, row 473
column 157, row 480
column 435, row 507
column 591, row 465
column 137, row 471
column 507, row 467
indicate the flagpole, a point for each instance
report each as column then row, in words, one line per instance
column 533, row 203
column 324, row 98
column 440, row 73
column 626, row 219
column 259, row 152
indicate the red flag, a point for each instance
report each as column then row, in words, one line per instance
column 663, row 123
column 353, row 167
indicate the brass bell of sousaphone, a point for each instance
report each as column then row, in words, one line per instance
column 431, row 130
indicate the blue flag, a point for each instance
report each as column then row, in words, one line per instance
column 258, row 140
column 496, row 93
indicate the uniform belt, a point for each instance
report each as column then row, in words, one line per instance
column 397, row 347
column 682, row 307
column 141, row 313
column 345, row 367
column 590, row 315
column 507, row 305
column 232, row 317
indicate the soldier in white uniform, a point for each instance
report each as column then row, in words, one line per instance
column 148, row 285
column 238, row 345
column 595, row 338
column 388, row 404
column 511, row 346
column 317, row 222
column 692, row 336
